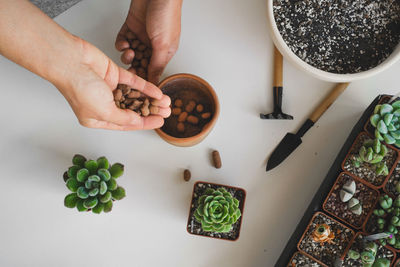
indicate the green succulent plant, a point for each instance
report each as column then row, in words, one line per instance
column 93, row 184
column 217, row 210
column 368, row 256
column 389, row 220
column 373, row 152
column 386, row 122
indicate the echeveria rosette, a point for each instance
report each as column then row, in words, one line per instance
column 217, row 210
column 386, row 122
column 93, row 184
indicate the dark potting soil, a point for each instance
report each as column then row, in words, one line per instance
column 186, row 95
column 339, row 36
column 326, row 252
column 394, row 179
column 367, row 171
column 364, row 194
column 194, row 227
column 358, row 245
column 301, row 260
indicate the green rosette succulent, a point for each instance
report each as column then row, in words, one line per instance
column 93, row 184
column 386, row 122
column 217, row 210
column 373, row 152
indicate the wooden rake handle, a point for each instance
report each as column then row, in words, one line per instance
column 327, row 102
column 278, row 68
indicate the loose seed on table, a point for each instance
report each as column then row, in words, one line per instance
column 216, row 159
column 192, row 119
column 180, row 127
column 187, row 175
column 176, row 111
column 182, row 117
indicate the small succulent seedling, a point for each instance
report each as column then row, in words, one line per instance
column 347, row 191
column 389, row 220
column 386, row 122
column 354, row 206
column 368, row 256
column 373, row 152
column 218, row 210
column 93, row 184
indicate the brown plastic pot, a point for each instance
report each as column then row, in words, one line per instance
column 308, row 227
column 357, row 180
column 184, row 80
column 304, row 255
column 360, row 178
column 365, row 234
column 191, row 210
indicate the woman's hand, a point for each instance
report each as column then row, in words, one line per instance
column 157, row 23
column 89, row 92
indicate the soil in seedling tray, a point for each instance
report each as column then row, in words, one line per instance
column 364, row 194
column 329, row 251
column 339, row 36
column 393, row 181
column 194, row 227
column 301, row 260
column 359, row 245
column 186, row 95
column 367, row 171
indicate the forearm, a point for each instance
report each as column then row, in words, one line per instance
column 34, row 41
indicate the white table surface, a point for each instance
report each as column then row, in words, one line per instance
column 225, row 42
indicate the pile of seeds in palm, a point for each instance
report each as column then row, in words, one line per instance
column 339, row 36
column 142, row 56
column 126, row 97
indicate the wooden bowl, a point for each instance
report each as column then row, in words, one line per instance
column 190, row 83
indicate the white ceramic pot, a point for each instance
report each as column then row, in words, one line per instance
column 324, row 75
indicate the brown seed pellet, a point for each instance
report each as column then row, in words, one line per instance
column 147, row 53
column 122, row 105
column 130, row 36
column 190, row 106
column 186, row 175
column 182, row 117
column 154, row 109
column 178, row 103
column 180, row 127
column 135, row 44
column 192, row 119
column 134, row 94
column 216, row 159
column 117, row 95
column 141, row 47
column 206, row 115
column 118, row 104
column 199, row 108
column 144, row 62
column 135, row 63
column 138, row 55
column 176, row 111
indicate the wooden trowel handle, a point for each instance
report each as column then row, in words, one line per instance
column 278, row 68
column 329, row 99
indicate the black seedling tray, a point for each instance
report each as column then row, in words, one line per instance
column 323, row 191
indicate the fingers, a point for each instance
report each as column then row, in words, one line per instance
column 121, row 42
column 127, row 56
column 134, row 81
column 164, row 112
column 148, row 123
column 164, row 102
column 158, row 61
